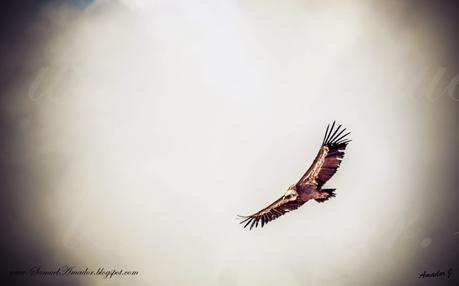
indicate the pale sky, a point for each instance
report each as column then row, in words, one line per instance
column 150, row 125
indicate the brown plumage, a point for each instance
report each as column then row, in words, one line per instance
column 310, row 185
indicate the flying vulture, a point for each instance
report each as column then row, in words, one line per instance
column 309, row 187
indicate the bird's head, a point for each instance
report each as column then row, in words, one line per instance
column 291, row 193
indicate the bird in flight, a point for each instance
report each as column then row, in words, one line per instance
column 309, row 187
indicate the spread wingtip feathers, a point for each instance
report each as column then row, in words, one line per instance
column 334, row 136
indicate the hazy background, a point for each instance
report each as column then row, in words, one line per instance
column 134, row 132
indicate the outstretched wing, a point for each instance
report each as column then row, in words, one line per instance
column 271, row 212
column 329, row 157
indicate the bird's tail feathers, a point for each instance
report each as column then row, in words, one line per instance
column 330, row 192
